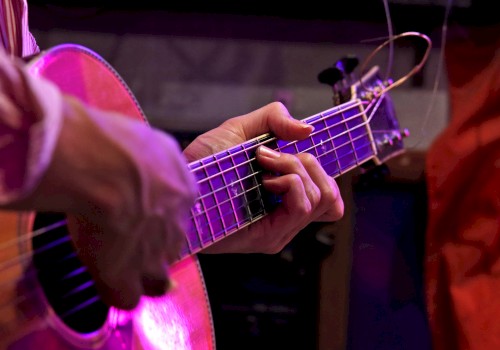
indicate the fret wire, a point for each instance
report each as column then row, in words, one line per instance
column 332, row 138
column 199, row 207
column 245, row 223
column 352, row 142
column 267, row 141
column 257, row 172
column 198, row 230
column 263, row 139
column 256, row 187
column 230, row 199
column 345, row 144
column 211, row 229
column 253, row 174
column 342, row 171
column 315, row 149
column 187, row 237
column 374, row 105
column 219, row 209
column 308, row 149
column 232, row 203
column 292, row 142
column 267, row 138
column 231, row 184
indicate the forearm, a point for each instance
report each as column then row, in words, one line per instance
column 87, row 168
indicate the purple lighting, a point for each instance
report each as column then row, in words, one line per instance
column 160, row 325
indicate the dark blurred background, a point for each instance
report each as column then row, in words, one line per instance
column 355, row 284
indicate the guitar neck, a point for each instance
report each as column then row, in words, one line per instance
column 230, row 192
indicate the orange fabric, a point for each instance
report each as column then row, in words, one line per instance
column 463, row 175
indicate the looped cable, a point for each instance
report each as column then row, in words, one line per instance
column 413, row 71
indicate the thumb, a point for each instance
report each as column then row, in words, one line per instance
column 274, row 118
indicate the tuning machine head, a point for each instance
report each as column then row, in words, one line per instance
column 347, row 64
column 340, row 76
column 330, row 76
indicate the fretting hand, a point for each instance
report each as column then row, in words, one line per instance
column 308, row 192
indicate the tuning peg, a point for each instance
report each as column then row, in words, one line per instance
column 347, row 64
column 330, row 76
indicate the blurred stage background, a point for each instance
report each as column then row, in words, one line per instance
column 356, row 284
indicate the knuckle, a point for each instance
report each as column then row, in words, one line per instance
column 339, row 213
column 294, row 160
column 303, row 208
column 329, row 195
column 277, row 107
column 308, row 159
column 335, row 202
column 315, row 196
column 295, row 180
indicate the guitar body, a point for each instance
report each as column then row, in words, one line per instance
column 48, row 299
column 37, row 306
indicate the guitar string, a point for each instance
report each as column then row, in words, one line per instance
column 40, row 231
column 60, row 223
column 251, row 160
column 85, row 285
column 91, row 282
column 27, row 236
column 312, row 148
column 214, row 236
column 46, row 229
column 377, row 98
column 437, row 79
column 253, row 175
column 213, row 160
column 319, row 157
column 37, row 232
column 26, row 256
column 334, row 149
column 216, row 161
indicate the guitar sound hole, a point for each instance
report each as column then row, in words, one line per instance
column 67, row 285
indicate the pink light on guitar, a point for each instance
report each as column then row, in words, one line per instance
column 150, row 325
column 48, row 298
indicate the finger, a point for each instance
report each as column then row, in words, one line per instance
column 320, row 188
column 273, row 118
column 117, row 283
column 289, row 217
column 156, row 283
column 154, row 276
column 330, row 206
column 292, row 215
column 283, row 163
column 122, row 293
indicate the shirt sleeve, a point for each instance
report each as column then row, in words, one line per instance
column 30, row 120
column 15, row 35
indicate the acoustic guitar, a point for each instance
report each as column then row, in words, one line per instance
column 47, row 297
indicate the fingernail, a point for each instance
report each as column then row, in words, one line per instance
column 267, row 152
column 304, row 125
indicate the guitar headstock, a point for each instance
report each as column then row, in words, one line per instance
column 372, row 91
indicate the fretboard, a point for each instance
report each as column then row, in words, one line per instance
column 231, row 195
